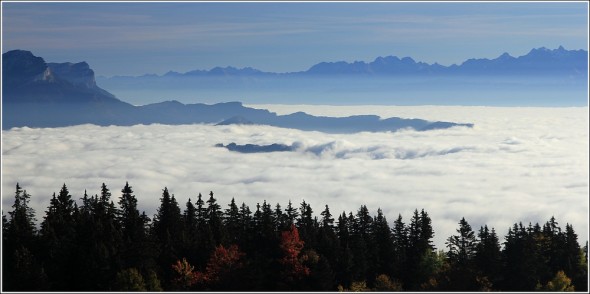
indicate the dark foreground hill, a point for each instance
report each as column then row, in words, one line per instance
column 40, row 94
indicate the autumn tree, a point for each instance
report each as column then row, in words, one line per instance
column 560, row 283
column 291, row 245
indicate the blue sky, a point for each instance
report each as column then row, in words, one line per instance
column 139, row 38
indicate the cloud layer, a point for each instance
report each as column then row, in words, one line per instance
column 516, row 164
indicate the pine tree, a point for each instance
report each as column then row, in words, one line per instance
column 327, row 243
column 575, row 265
column 246, row 228
column 327, row 219
column 400, row 244
column 58, row 233
column 214, row 218
column 462, row 247
column 305, row 222
column 291, row 213
column 359, row 235
column 22, row 218
column 419, row 250
column 232, row 223
column 136, row 250
column 132, row 225
column 343, row 270
column 520, row 266
column 282, row 223
column 488, row 257
column 21, row 268
column 166, row 228
column 383, row 243
column 461, row 254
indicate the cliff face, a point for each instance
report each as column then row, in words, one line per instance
column 78, row 74
column 29, row 79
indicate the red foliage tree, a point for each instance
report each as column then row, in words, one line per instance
column 292, row 246
column 222, row 261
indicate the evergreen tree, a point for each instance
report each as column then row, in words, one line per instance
column 327, row 219
column 282, row 223
column 233, row 223
column 488, row 257
column 22, row 218
column 21, row 268
column 327, row 247
column 136, row 249
column 305, row 223
column 99, row 247
column 520, row 266
column 166, row 228
column 57, row 234
column 343, row 270
column 384, row 260
column 400, row 245
column 291, row 213
column 461, row 254
column 575, row 265
column 359, row 235
column 99, row 243
column 462, row 247
column 214, row 217
column 132, row 225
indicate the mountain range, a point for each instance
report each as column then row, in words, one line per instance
column 40, row 94
column 542, row 77
column 539, row 61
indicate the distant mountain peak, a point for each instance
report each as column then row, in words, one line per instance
column 23, row 66
column 26, row 78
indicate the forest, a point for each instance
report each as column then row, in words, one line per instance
column 104, row 243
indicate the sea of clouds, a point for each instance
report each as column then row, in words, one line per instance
column 516, row 164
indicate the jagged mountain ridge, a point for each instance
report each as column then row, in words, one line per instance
column 40, row 94
column 539, row 61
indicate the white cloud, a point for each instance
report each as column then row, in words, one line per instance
column 516, row 164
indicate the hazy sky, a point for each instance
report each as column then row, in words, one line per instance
column 138, row 38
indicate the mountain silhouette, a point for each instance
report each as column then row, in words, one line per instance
column 539, row 61
column 40, row 94
column 542, row 77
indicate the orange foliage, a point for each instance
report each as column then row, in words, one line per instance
column 185, row 275
column 222, row 261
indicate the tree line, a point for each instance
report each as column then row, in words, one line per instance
column 98, row 245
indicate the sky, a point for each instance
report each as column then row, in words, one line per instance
column 146, row 37
column 515, row 165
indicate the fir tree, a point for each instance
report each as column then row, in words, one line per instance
column 58, row 233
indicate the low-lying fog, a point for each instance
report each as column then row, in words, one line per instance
column 516, row 164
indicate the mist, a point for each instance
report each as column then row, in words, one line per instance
column 516, row 164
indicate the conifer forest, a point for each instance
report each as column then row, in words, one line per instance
column 104, row 243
